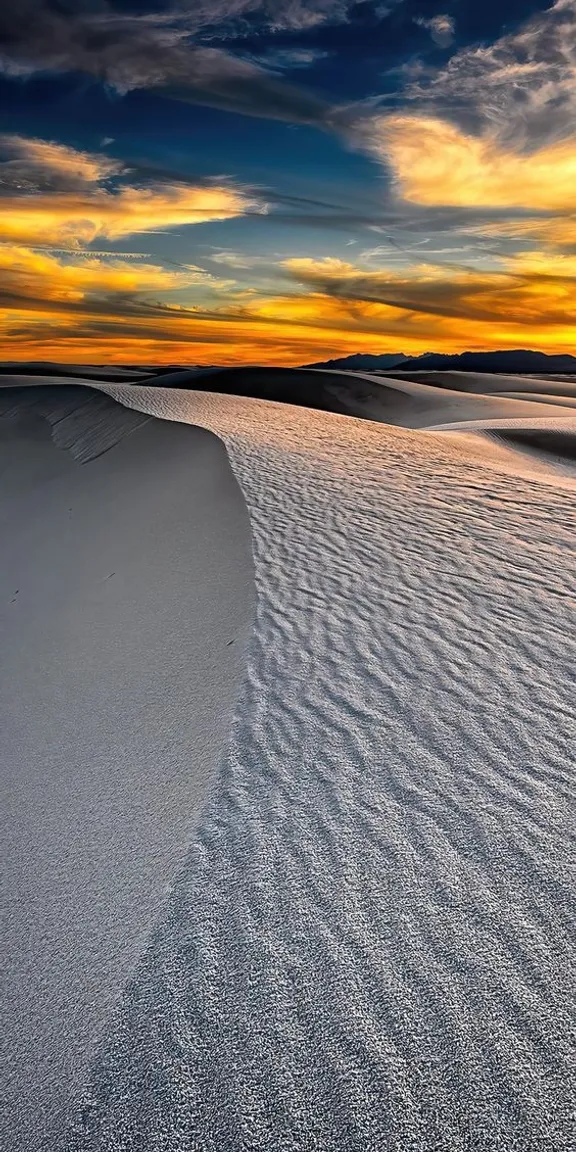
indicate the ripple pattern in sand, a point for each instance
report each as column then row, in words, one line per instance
column 372, row 944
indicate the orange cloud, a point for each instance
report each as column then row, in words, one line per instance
column 94, row 310
column 29, row 157
column 74, row 219
column 558, row 233
column 529, row 290
column 40, row 277
column 63, row 197
column 96, row 313
column 435, row 163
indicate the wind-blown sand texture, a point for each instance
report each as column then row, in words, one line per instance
column 370, row 944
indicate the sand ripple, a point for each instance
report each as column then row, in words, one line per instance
column 371, row 945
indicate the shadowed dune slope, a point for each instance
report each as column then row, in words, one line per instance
column 487, row 383
column 126, row 597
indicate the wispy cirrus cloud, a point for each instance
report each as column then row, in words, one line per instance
column 521, row 88
column 240, row 261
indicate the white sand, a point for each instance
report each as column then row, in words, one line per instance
column 126, row 597
column 488, row 383
column 370, row 946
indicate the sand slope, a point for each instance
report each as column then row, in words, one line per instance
column 125, row 601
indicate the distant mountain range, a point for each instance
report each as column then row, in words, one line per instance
column 518, row 361
column 362, row 363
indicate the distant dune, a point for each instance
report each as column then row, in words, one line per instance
column 411, row 400
column 489, row 382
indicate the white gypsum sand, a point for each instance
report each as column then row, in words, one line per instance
column 126, row 598
column 370, row 946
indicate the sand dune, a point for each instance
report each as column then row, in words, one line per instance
column 126, row 599
column 486, row 382
column 369, row 945
column 544, row 398
column 76, row 371
column 404, row 402
column 409, row 403
column 549, row 442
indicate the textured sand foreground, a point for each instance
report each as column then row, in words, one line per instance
column 126, row 597
column 370, row 943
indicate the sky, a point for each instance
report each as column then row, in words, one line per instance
column 285, row 181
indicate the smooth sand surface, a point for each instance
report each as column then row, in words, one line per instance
column 126, row 595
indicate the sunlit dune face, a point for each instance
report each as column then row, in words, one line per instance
column 435, row 163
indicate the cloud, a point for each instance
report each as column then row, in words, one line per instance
column 291, row 58
column 238, row 260
column 38, row 279
column 494, row 130
column 95, row 311
column 162, row 50
column 51, row 194
column 28, row 166
column 557, row 233
column 528, row 291
column 436, row 163
column 212, row 77
column 442, row 28
column 484, row 150
column 522, row 88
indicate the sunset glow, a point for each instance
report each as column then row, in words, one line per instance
column 195, row 221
